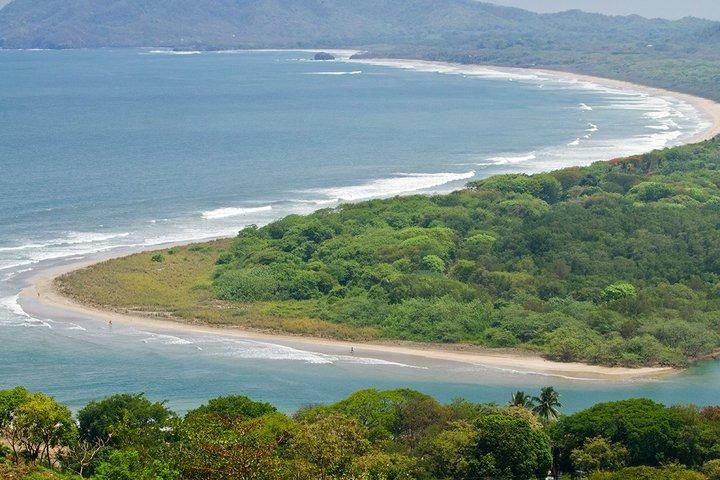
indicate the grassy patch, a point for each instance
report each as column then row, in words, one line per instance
column 179, row 287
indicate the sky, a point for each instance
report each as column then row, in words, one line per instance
column 647, row 8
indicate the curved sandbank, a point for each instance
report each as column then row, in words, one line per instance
column 43, row 291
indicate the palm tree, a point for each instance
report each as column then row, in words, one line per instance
column 547, row 404
column 521, row 399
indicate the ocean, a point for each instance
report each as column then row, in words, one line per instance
column 107, row 151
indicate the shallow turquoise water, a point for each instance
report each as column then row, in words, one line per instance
column 108, row 149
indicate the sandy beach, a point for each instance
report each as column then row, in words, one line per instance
column 43, row 291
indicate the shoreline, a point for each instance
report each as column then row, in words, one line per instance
column 43, row 291
column 707, row 108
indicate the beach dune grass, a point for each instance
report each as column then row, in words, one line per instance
column 176, row 283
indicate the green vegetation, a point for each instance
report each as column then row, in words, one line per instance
column 371, row 435
column 615, row 264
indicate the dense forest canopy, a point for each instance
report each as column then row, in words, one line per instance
column 682, row 54
column 617, row 263
column 370, row 435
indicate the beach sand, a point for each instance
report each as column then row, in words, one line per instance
column 43, row 291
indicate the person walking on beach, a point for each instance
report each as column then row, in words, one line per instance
column 352, row 350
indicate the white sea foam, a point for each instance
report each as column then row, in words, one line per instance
column 574, row 143
column 592, row 128
column 11, row 304
column 252, row 349
column 174, row 52
column 234, row 212
column 72, row 238
column 354, row 72
column 403, row 183
column 585, row 108
column 16, row 273
column 511, row 159
column 165, row 339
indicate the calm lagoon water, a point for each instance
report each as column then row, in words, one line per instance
column 104, row 151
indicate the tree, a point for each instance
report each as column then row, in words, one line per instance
column 377, row 465
column 433, row 263
column 124, row 420
column 619, row 291
column 42, row 425
column 330, row 444
column 127, row 465
column 599, row 454
column 547, row 404
column 414, row 415
column 652, row 433
column 509, row 447
column 671, row 472
column 233, row 407
column 376, row 410
column 711, row 469
column 450, row 452
column 216, row 447
column 10, row 401
column 521, row 399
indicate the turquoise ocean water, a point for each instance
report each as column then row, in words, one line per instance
column 107, row 151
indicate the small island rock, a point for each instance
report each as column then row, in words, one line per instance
column 324, row 56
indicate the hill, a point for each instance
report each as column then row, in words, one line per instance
column 294, row 23
column 614, row 264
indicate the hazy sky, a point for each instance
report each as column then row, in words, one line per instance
column 646, row 8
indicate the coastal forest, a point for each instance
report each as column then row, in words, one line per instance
column 617, row 263
column 370, row 435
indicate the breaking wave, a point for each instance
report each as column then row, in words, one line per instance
column 234, row 212
column 403, row 183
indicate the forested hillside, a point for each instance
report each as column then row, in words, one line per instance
column 370, row 435
column 616, row 263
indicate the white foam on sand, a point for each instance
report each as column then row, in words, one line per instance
column 234, row 212
column 402, row 183
column 13, row 306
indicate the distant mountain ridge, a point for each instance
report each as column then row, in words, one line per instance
column 297, row 23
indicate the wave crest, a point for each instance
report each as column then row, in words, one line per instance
column 403, row 183
column 234, row 212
